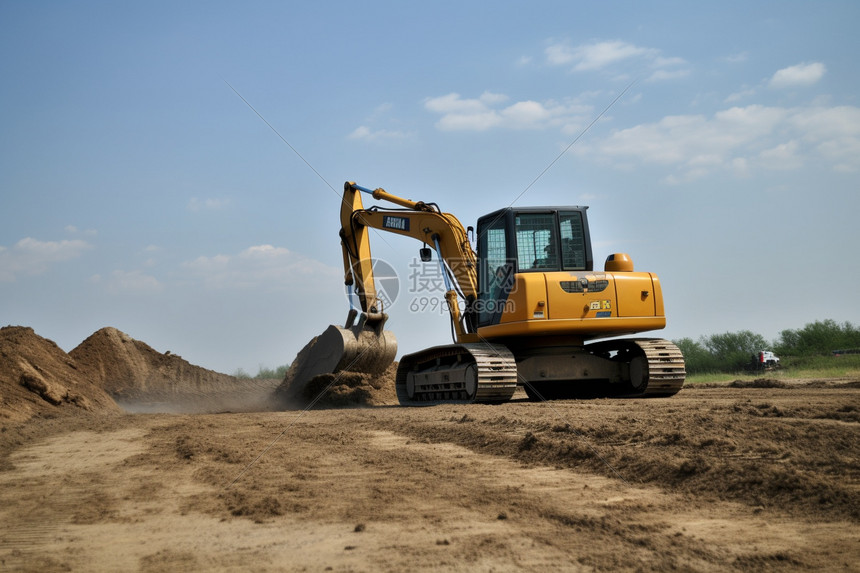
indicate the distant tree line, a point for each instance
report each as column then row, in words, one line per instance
column 733, row 351
column 264, row 372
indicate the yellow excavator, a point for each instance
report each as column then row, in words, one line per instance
column 523, row 308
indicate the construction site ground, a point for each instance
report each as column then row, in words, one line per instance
column 754, row 476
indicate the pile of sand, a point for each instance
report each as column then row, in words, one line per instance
column 126, row 367
column 111, row 371
column 37, row 378
column 142, row 379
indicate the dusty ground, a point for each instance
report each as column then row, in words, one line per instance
column 762, row 476
column 712, row 479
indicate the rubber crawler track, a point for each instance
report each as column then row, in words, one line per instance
column 496, row 374
column 666, row 370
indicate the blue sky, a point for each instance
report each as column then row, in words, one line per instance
column 138, row 191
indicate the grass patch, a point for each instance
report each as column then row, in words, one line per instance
column 845, row 366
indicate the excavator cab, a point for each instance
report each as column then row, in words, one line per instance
column 526, row 240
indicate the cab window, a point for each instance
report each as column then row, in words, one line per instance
column 536, row 242
column 572, row 232
column 496, row 272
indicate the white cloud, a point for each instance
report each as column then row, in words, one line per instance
column 800, row 75
column 604, row 55
column 794, row 76
column 453, row 104
column 783, row 156
column 594, row 56
column 460, row 114
column 738, row 140
column 72, row 230
column 526, row 113
column 738, row 58
column 486, row 112
column 667, row 62
column 33, row 257
column 365, row 133
column 523, row 61
column 744, row 93
column 382, row 109
column 360, row 132
column 469, row 121
column 833, row 132
column 489, row 98
column 260, row 265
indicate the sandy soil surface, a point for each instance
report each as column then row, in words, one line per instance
column 712, row 479
column 756, row 476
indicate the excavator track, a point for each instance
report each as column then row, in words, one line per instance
column 457, row 374
column 631, row 367
column 658, row 370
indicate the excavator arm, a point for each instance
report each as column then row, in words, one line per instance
column 364, row 345
column 424, row 222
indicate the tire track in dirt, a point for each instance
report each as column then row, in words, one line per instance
column 637, row 526
column 108, row 501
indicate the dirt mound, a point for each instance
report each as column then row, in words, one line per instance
column 142, row 379
column 37, row 377
column 344, row 390
column 122, row 365
column 758, row 383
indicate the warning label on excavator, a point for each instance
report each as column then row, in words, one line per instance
column 396, row 223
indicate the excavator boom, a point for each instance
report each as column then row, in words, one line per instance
column 362, row 344
column 424, row 222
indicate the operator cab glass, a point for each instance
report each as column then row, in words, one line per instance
column 527, row 240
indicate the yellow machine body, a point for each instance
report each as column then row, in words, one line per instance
column 522, row 307
column 553, row 304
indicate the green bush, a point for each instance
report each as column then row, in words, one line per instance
column 733, row 351
column 278, row 372
column 263, row 372
column 728, row 352
column 696, row 357
column 819, row 337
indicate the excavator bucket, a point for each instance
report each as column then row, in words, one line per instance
column 353, row 348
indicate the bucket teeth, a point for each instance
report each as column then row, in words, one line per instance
column 356, row 349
